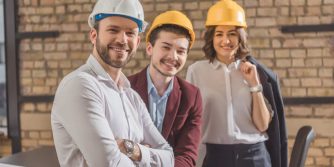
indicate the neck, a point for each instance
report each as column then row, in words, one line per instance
column 226, row 59
column 160, row 81
column 114, row 73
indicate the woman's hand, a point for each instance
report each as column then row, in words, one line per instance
column 249, row 72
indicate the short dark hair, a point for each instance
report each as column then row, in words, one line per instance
column 169, row 28
column 209, row 50
column 97, row 26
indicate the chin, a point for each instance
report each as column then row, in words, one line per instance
column 168, row 73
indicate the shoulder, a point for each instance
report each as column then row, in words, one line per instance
column 199, row 64
column 79, row 77
column 81, row 85
column 191, row 99
column 134, row 78
column 186, row 87
column 200, row 70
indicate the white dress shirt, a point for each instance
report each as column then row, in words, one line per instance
column 90, row 111
column 227, row 104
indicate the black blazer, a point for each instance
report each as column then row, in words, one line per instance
column 277, row 142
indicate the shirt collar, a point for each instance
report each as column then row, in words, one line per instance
column 150, row 85
column 104, row 76
column 216, row 64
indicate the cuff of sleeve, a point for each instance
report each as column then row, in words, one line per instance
column 145, row 155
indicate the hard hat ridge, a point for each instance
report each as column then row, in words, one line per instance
column 175, row 18
column 131, row 9
column 226, row 12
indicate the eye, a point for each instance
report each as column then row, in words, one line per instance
column 166, row 48
column 181, row 52
column 131, row 34
column 219, row 34
column 233, row 33
column 112, row 30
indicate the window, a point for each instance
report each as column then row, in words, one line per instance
column 3, row 107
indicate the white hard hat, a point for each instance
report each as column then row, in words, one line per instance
column 131, row 9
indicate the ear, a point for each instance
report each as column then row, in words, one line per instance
column 149, row 49
column 93, row 36
column 138, row 41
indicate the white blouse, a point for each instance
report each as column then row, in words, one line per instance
column 227, row 104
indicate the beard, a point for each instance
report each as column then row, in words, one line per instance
column 103, row 51
column 162, row 73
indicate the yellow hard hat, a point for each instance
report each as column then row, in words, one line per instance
column 226, row 12
column 173, row 17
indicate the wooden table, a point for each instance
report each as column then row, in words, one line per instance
column 41, row 157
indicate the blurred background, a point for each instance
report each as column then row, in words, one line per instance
column 43, row 40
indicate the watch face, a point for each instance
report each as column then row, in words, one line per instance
column 128, row 144
column 129, row 147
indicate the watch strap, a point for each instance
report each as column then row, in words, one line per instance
column 257, row 88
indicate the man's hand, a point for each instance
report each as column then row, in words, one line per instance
column 147, row 145
column 136, row 156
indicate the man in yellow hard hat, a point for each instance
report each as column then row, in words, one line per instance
column 97, row 119
column 243, row 123
column 175, row 106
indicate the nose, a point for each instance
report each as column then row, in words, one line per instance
column 121, row 38
column 173, row 54
column 226, row 39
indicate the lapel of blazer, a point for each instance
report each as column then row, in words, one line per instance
column 264, row 81
column 141, row 86
column 172, row 108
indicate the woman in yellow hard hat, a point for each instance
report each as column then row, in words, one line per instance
column 236, row 114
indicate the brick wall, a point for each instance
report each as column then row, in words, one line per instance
column 304, row 61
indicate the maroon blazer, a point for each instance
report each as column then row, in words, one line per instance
column 182, row 122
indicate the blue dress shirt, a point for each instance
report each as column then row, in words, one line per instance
column 157, row 103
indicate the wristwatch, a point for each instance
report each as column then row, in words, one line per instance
column 257, row 88
column 129, row 147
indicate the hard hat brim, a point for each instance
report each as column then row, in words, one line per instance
column 141, row 25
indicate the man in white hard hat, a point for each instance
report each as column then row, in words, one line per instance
column 97, row 119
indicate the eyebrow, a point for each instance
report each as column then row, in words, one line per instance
column 183, row 48
column 112, row 26
column 118, row 27
column 166, row 43
column 227, row 31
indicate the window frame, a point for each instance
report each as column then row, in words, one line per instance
column 12, row 77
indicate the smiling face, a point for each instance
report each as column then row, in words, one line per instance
column 116, row 40
column 226, row 43
column 168, row 54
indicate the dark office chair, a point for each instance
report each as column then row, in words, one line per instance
column 300, row 148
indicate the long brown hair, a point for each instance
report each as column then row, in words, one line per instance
column 209, row 50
